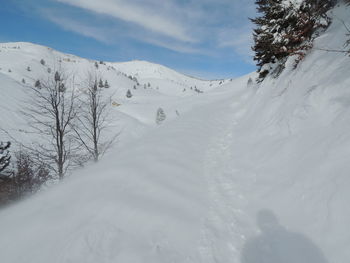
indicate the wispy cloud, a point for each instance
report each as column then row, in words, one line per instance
column 239, row 40
column 97, row 33
column 135, row 12
column 190, row 26
column 178, row 47
column 202, row 37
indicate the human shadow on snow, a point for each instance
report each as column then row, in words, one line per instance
column 276, row 244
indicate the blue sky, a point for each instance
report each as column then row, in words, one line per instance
column 203, row 38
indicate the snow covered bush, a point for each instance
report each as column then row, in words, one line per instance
column 250, row 82
column 37, row 84
column 160, row 117
column 128, row 94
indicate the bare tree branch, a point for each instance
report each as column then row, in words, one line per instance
column 92, row 119
column 50, row 112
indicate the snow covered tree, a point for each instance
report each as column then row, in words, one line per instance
column 37, row 84
column 128, row 94
column 160, row 117
column 263, row 34
column 250, row 82
column 100, row 84
column 5, row 156
column 286, row 28
column 106, row 85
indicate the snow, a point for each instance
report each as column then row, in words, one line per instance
column 245, row 173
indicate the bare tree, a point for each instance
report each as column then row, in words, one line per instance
column 50, row 111
column 25, row 178
column 91, row 121
column 29, row 176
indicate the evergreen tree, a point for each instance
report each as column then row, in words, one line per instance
column 262, row 36
column 100, row 84
column 128, row 94
column 286, row 28
column 37, row 84
column 106, row 85
column 57, row 77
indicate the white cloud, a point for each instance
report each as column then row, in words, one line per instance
column 178, row 47
column 240, row 40
column 190, row 27
column 139, row 14
column 96, row 33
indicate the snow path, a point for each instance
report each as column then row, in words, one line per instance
column 225, row 227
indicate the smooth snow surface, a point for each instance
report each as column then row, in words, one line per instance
column 244, row 173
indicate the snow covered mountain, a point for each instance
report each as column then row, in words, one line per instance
column 151, row 85
column 190, row 190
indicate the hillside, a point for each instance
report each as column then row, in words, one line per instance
column 152, row 85
column 190, row 189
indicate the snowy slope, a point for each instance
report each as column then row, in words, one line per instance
column 164, row 78
column 21, row 62
column 190, row 190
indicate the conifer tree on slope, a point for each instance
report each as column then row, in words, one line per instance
column 267, row 48
column 286, row 28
